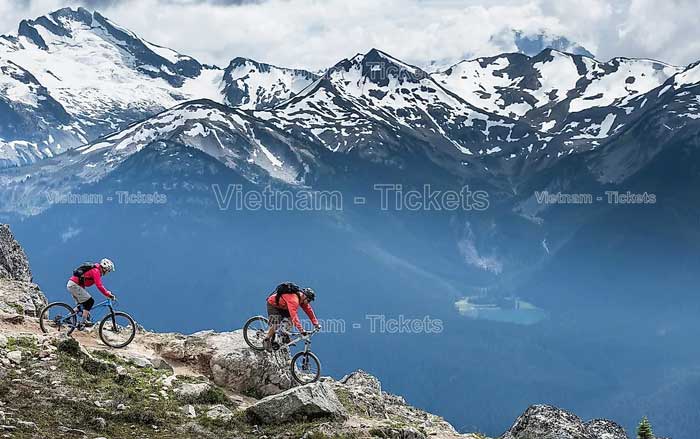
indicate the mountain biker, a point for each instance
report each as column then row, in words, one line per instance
column 285, row 302
column 84, row 277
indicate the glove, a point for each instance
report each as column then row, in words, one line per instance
column 317, row 326
column 112, row 296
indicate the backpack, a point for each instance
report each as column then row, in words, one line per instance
column 286, row 288
column 80, row 271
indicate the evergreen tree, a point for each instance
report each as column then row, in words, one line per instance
column 644, row 429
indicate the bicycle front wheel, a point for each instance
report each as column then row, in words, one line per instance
column 57, row 317
column 305, row 368
column 255, row 331
column 117, row 330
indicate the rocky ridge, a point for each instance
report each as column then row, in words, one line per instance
column 204, row 385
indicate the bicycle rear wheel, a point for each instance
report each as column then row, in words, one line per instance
column 255, row 331
column 117, row 329
column 57, row 317
column 305, row 368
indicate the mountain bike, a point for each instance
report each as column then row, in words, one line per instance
column 305, row 365
column 117, row 329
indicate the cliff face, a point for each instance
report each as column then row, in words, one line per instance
column 204, row 385
column 18, row 295
column 13, row 262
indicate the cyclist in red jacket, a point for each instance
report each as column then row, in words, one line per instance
column 285, row 303
column 84, row 277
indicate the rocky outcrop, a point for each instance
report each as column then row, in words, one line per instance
column 548, row 422
column 309, row 402
column 18, row 295
column 604, row 429
column 361, row 393
column 364, row 393
column 13, row 261
column 227, row 360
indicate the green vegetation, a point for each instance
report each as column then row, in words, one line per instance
column 100, row 394
column 346, row 400
column 108, row 356
column 312, row 430
column 353, row 405
column 140, row 396
column 320, row 435
column 70, row 347
column 213, row 395
column 26, row 344
column 644, row 430
column 236, row 423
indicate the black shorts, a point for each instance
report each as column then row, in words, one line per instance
column 275, row 315
column 88, row 304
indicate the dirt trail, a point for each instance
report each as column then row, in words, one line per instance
column 90, row 340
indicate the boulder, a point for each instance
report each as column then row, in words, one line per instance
column 227, row 360
column 548, row 422
column 15, row 356
column 138, row 360
column 219, row 412
column 20, row 298
column 363, row 392
column 312, row 401
column 191, row 391
column 189, row 411
column 364, row 381
column 161, row 364
column 605, row 429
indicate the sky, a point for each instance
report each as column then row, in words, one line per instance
column 315, row 34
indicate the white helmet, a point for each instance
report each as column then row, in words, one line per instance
column 107, row 265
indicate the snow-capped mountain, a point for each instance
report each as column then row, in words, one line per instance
column 525, row 43
column 380, row 105
column 253, row 85
column 98, row 77
column 101, row 76
column 28, row 113
column 73, row 76
column 541, row 87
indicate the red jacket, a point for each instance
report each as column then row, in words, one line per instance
column 93, row 277
column 290, row 302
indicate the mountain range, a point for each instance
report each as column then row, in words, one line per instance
column 73, row 76
column 88, row 107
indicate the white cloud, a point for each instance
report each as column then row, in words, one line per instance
column 316, row 34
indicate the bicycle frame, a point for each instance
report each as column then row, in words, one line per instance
column 305, row 338
column 109, row 304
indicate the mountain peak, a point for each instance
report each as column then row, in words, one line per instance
column 377, row 57
column 251, row 84
column 379, row 67
column 52, row 31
